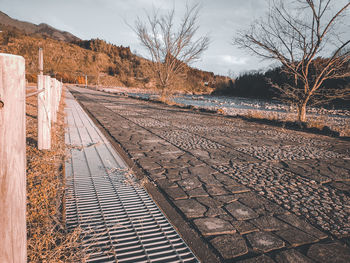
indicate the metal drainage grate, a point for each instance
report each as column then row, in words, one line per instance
column 120, row 221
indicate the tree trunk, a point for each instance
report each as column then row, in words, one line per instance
column 302, row 111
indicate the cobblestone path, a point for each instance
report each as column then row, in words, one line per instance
column 253, row 192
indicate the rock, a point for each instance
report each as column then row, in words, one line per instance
column 200, row 170
column 191, row 208
column 176, row 193
column 226, row 199
column 259, row 259
column 226, row 180
column 190, row 183
column 292, row 256
column 216, row 190
column 149, row 164
column 214, row 226
column 264, row 241
column 244, row 227
column 240, row 211
column 165, row 183
column 302, row 225
column 209, row 180
column 329, row 253
column 214, row 212
column 236, row 189
column 201, row 153
column 209, row 202
column 198, row 192
column 230, row 246
column 296, row 237
column 269, row 223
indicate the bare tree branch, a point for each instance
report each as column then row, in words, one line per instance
column 296, row 34
column 171, row 48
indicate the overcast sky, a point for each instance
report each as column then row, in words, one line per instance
column 105, row 19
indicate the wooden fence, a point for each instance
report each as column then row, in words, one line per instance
column 13, row 149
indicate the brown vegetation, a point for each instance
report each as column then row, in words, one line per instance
column 103, row 63
column 318, row 124
column 48, row 239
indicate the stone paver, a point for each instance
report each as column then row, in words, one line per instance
column 230, row 246
column 214, row 226
column 240, row 211
column 259, row 259
column 285, row 193
column 292, row 255
column 264, row 241
column 191, row 208
column 296, row 237
column 329, row 252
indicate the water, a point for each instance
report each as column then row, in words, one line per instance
column 237, row 105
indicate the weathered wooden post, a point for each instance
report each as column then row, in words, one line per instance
column 12, row 159
column 53, row 100
column 59, row 92
column 61, row 87
column 58, row 96
column 41, row 61
column 44, row 113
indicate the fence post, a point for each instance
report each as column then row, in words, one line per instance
column 61, row 87
column 41, row 61
column 58, row 94
column 44, row 113
column 53, row 100
column 12, row 159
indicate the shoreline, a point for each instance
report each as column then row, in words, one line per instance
column 334, row 123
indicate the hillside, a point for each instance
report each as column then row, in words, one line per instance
column 71, row 59
column 42, row 29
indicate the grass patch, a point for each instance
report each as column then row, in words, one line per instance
column 319, row 124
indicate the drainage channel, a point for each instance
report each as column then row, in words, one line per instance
column 119, row 220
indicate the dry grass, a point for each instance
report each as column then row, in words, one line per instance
column 321, row 123
column 168, row 100
column 48, row 239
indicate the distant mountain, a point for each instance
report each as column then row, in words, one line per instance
column 42, row 29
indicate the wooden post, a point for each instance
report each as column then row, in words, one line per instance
column 12, row 159
column 53, row 100
column 44, row 113
column 58, row 96
column 41, row 61
column 61, row 87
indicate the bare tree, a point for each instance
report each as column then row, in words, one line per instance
column 171, row 48
column 305, row 38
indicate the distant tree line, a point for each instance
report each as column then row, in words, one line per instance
column 257, row 84
column 295, row 34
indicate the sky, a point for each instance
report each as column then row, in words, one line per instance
column 110, row 20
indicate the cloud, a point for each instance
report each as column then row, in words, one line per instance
column 110, row 20
column 232, row 60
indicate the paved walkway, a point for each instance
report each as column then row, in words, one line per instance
column 252, row 192
column 120, row 221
